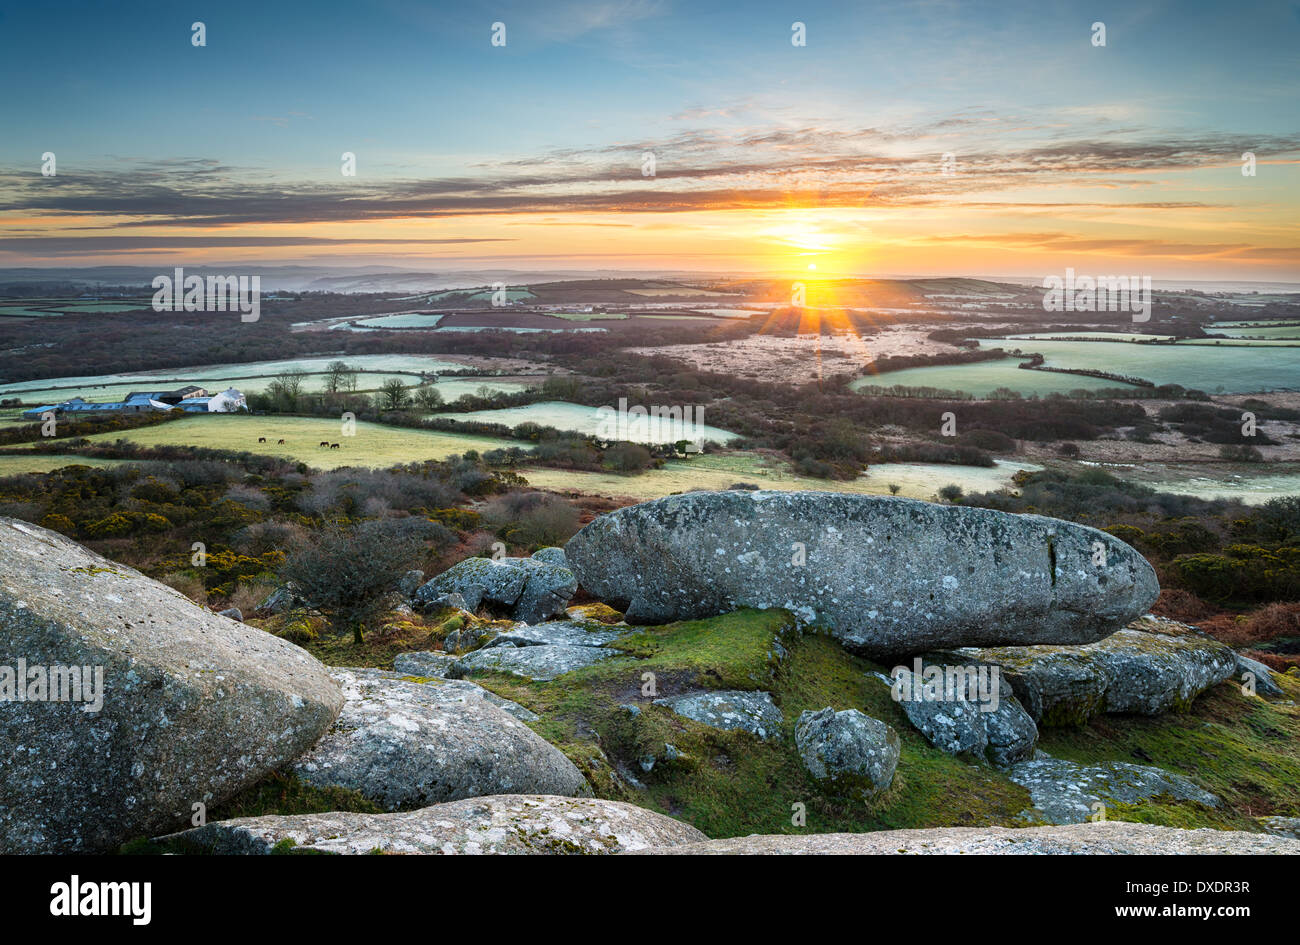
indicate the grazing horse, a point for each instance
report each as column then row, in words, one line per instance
column 261, row 439
column 334, row 446
column 279, row 442
column 324, row 443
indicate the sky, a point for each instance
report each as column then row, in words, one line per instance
column 916, row 138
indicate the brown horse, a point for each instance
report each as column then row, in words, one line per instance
column 261, row 439
column 334, row 446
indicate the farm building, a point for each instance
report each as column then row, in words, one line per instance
column 228, row 401
column 190, row 399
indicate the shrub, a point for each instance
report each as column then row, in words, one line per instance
column 350, row 574
column 990, row 440
column 532, row 519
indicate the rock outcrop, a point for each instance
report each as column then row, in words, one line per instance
column 962, row 708
column 195, row 707
column 559, row 632
column 1151, row 667
column 1259, row 676
column 1065, row 792
column 1110, row 837
column 753, row 712
column 848, row 747
column 504, row 824
column 542, row 663
column 885, row 575
column 430, row 663
column 406, row 744
column 528, row 589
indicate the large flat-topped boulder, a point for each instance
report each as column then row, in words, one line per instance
column 195, row 707
column 886, row 575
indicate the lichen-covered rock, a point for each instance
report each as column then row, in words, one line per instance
column 1259, row 675
column 964, row 707
column 727, row 709
column 406, row 744
column 1108, row 837
column 195, row 707
column 477, row 580
column 532, row 662
column 1013, row 734
column 467, row 637
column 410, row 583
column 562, row 632
column 505, row 824
column 1281, row 826
column 951, row 724
column 282, row 600
column 552, row 555
column 231, row 613
column 547, row 591
column 885, row 575
column 1064, row 792
column 848, row 746
column 529, row 589
column 1133, row 671
column 423, row 663
column 502, row 703
column 434, row 602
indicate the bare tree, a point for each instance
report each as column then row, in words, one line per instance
column 340, row 377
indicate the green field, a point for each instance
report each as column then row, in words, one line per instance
column 721, row 470
column 403, row 320
column 373, row 445
column 1233, row 366
column 1213, row 368
column 250, row 377
column 590, row 421
column 588, row 316
column 983, row 377
column 37, row 463
column 1289, row 332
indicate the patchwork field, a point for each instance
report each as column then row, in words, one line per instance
column 721, row 470
column 1212, row 368
column 36, row 463
column 227, row 374
column 373, row 444
column 983, row 377
column 588, row 420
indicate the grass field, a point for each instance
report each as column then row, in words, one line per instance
column 720, row 470
column 1231, row 369
column 588, row 316
column 983, row 377
column 373, row 444
column 212, row 375
column 402, row 320
column 591, row 422
column 16, row 465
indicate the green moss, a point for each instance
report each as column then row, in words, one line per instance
column 1241, row 748
column 284, row 793
column 731, row 783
